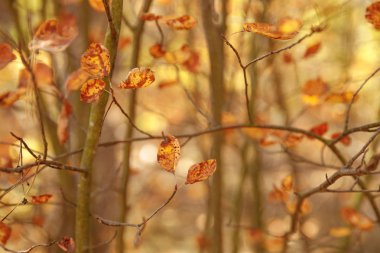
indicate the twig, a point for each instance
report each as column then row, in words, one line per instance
column 29, row 249
column 51, row 164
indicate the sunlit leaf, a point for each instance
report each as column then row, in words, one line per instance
column 285, row 29
column 6, row 55
column 98, row 4
column 340, row 232
column 96, row 60
column 5, row 233
column 184, row 22
column 41, row 199
column 91, row 90
column 356, row 219
column 53, row 36
column 312, row 50
column 287, row 183
column 373, row 14
column 138, row 78
column 201, row 171
column 346, row 140
column 157, row 51
column 169, row 153
column 76, row 79
column 63, row 122
column 319, row 129
column 150, row 17
column 67, row 244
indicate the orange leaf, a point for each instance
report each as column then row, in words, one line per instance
column 76, row 79
column 201, row 171
column 320, row 129
column 63, row 122
column 5, row 233
column 123, row 42
column 278, row 195
column 96, row 60
column 292, row 139
column 91, row 90
column 346, row 140
column 286, row 29
column 67, row 244
column 287, row 58
column 6, row 55
column 149, row 16
column 41, row 199
column 312, row 50
column 10, row 97
column 157, row 51
column 44, row 73
column 287, row 183
column 315, row 87
column 53, row 36
column 341, row 97
column 138, row 78
column 356, row 219
column 98, row 5
column 168, row 153
column 184, row 22
column 373, row 14
column 340, row 232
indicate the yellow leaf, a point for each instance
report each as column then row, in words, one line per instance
column 138, row 78
column 168, row 153
column 201, row 171
column 96, row 60
column 91, row 90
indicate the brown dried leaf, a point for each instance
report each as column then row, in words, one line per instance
column 184, row 22
column 138, row 78
column 41, row 199
column 169, row 153
column 53, row 36
column 6, row 55
column 63, row 122
column 5, row 233
column 373, row 14
column 201, row 171
column 96, row 60
column 91, row 90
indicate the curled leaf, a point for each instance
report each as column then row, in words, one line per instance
column 6, row 55
column 184, row 22
column 169, row 153
column 91, row 90
column 373, row 14
column 53, row 36
column 96, row 60
column 5, row 233
column 201, row 171
column 41, row 199
column 63, row 122
column 138, row 78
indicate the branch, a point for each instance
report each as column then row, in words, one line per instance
column 51, row 164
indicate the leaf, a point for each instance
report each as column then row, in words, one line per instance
column 96, row 60
column 5, row 233
column 41, row 199
column 44, row 74
column 157, row 51
column 169, row 153
column 356, row 219
column 63, row 122
column 320, row 129
column 339, row 232
column 138, row 78
column 285, row 29
column 53, row 36
column 312, row 50
column 6, row 55
column 201, row 171
column 341, row 97
column 304, row 209
column 278, row 195
column 287, row 183
column 76, row 79
column 98, row 5
column 124, row 42
column 287, row 58
column 184, row 22
column 346, row 140
column 150, row 16
column 10, row 97
column 373, row 14
column 313, row 90
column 292, row 140
column 91, row 90
column 67, row 244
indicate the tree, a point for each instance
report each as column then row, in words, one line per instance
column 212, row 126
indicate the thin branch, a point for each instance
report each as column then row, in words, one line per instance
column 25, row 145
column 51, row 164
column 29, row 249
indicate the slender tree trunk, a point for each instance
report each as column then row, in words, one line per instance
column 82, row 230
column 215, row 48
